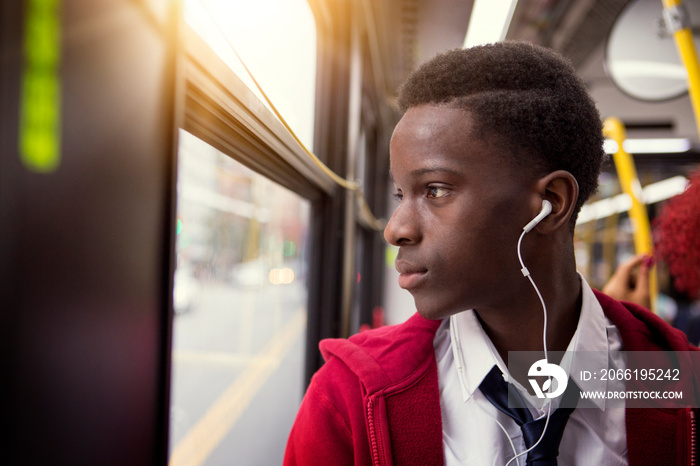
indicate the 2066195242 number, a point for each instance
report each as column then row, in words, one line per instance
column 640, row 374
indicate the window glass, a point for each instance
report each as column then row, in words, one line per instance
column 276, row 39
column 239, row 323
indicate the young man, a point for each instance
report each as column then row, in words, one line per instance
column 488, row 134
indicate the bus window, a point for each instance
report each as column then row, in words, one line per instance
column 276, row 40
column 240, row 311
column 240, row 291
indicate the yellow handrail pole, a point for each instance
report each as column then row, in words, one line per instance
column 678, row 21
column 629, row 182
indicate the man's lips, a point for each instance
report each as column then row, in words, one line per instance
column 410, row 275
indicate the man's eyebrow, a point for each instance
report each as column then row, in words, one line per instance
column 437, row 169
column 425, row 170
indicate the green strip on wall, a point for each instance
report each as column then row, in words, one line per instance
column 40, row 101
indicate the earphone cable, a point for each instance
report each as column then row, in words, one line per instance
column 526, row 273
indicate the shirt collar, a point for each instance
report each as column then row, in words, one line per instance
column 589, row 347
column 470, row 343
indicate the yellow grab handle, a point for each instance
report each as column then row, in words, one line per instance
column 678, row 22
column 629, row 182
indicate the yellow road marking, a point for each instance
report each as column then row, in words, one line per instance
column 221, row 416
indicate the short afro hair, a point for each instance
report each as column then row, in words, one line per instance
column 524, row 98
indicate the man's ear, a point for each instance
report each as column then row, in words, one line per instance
column 561, row 189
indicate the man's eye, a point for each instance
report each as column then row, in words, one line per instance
column 435, row 192
column 398, row 196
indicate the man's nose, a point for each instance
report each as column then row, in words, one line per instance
column 403, row 227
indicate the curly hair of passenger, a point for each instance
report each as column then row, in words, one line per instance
column 525, row 99
column 677, row 238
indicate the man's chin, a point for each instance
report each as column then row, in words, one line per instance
column 432, row 311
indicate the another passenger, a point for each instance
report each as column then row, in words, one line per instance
column 630, row 282
column 676, row 233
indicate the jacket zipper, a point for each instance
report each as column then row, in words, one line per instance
column 372, row 434
column 693, row 437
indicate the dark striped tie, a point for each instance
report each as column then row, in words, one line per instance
column 496, row 390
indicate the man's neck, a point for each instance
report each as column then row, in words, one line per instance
column 522, row 330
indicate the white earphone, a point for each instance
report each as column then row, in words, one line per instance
column 546, row 210
column 454, row 334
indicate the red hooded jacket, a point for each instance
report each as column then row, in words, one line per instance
column 376, row 400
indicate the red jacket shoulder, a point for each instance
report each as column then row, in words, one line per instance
column 641, row 329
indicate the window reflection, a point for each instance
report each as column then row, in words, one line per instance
column 239, row 301
column 276, row 39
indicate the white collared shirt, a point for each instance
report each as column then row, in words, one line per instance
column 470, row 423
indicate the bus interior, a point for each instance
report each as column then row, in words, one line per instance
column 192, row 196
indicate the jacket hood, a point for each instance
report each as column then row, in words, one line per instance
column 373, row 354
